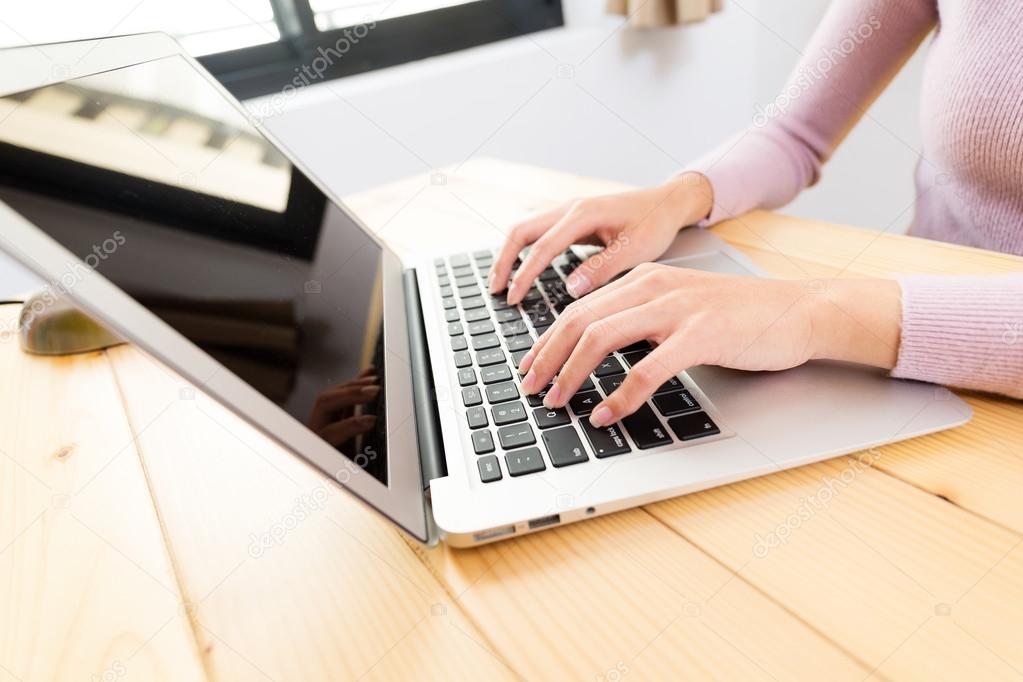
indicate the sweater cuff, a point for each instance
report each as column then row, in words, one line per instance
column 963, row 331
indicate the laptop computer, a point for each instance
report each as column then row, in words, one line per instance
column 140, row 190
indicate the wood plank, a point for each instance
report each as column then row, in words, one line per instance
column 286, row 576
column 919, row 588
column 624, row 595
column 81, row 547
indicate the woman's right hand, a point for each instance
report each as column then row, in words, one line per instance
column 633, row 227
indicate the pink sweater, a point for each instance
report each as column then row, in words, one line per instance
column 960, row 330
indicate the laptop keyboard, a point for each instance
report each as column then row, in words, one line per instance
column 515, row 435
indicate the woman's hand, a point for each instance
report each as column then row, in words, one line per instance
column 698, row 318
column 634, row 227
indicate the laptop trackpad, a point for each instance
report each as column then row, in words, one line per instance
column 715, row 261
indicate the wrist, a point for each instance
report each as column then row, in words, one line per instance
column 691, row 197
column 855, row 320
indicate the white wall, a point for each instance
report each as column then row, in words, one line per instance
column 596, row 99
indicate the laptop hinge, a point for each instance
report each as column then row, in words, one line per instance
column 431, row 451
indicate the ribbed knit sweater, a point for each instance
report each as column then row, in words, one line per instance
column 963, row 331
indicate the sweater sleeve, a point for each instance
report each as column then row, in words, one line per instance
column 963, row 331
column 855, row 52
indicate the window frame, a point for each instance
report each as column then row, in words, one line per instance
column 264, row 69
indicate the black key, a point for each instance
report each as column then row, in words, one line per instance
column 608, row 366
column 463, row 359
column 477, row 314
column 499, row 301
column 672, row 384
column 564, row 446
column 540, row 329
column 490, row 469
column 536, row 400
column 532, row 296
column 677, row 402
column 472, row 302
column 635, row 356
column 481, row 327
column 639, row 345
column 606, row 440
column 493, row 356
column 451, row 315
column 501, row 393
column 466, row 377
column 587, row 385
column 455, row 328
column 527, row 461
column 520, row 342
column 545, row 320
column 458, row 343
column 695, row 425
column 465, row 281
column 468, row 291
column 477, row 417
column 507, row 315
column 458, row 260
column 646, row 429
column 514, row 328
column 495, row 373
column 449, row 303
column 485, row 341
column 446, row 291
column 516, row 436
column 471, row 396
column 483, row 441
column 508, row 413
column 517, row 356
column 546, row 419
column 548, row 274
column 583, row 403
column 609, row 384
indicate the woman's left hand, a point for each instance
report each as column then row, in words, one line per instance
column 698, row 318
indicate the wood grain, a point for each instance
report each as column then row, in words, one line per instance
column 286, row 576
column 86, row 586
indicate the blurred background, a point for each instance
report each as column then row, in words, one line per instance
column 366, row 92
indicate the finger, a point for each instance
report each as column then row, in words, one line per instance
column 663, row 362
column 620, row 254
column 520, row 236
column 575, row 224
column 600, row 338
column 342, row 431
column 637, row 277
column 345, row 396
column 368, row 371
column 569, row 329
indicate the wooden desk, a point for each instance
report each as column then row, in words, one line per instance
column 129, row 504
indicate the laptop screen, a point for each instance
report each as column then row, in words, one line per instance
column 154, row 179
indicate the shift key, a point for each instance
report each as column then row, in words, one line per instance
column 646, row 429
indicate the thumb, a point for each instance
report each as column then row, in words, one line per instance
column 619, row 255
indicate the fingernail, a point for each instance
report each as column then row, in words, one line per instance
column 526, row 362
column 528, row 384
column 578, row 285
column 550, row 400
column 601, row 416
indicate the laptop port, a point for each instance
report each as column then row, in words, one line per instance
column 492, row 533
column 544, row 521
